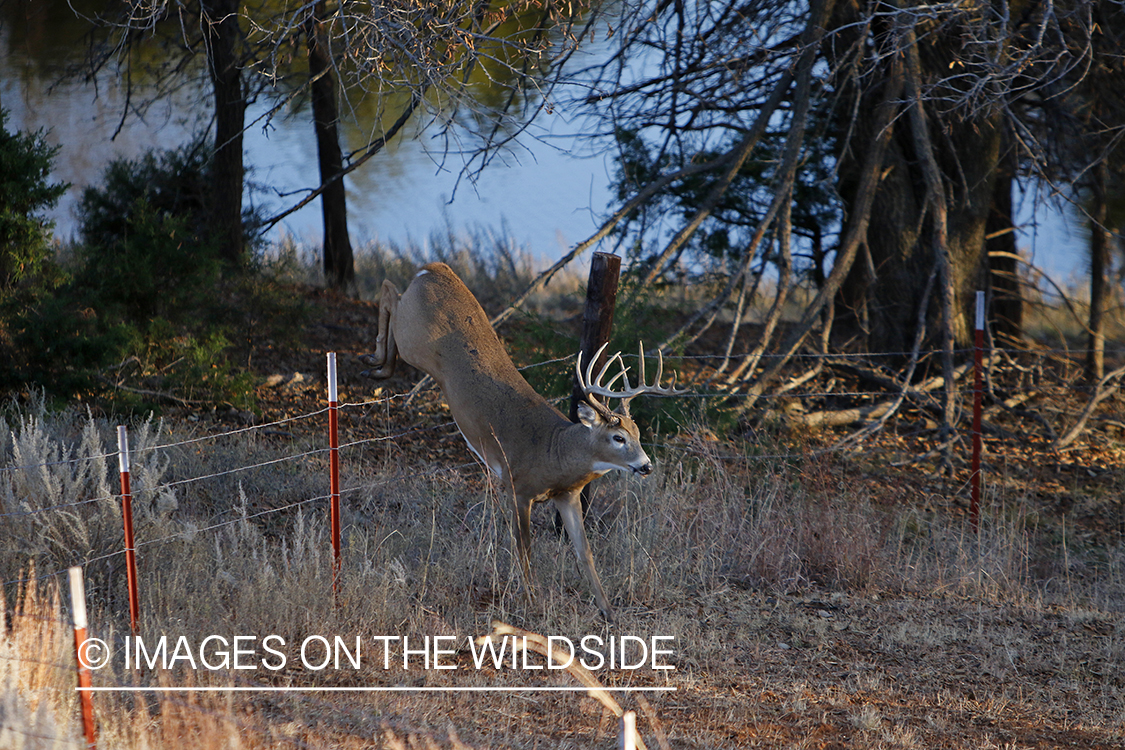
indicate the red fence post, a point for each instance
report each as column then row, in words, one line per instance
column 127, row 517
column 334, row 470
column 978, row 389
column 85, row 697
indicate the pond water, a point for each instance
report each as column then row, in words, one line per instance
column 547, row 196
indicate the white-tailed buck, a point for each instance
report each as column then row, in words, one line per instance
column 437, row 326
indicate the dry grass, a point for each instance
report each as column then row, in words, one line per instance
column 807, row 612
column 490, row 262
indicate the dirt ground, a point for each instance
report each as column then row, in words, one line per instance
column 794, row 672
column 819, row 669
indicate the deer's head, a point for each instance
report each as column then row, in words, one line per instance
column 616, row 438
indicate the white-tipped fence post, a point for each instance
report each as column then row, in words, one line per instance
column 978, row 390
column 127, row 518
column 629, row 730
column 334, row 470
column 85, row 697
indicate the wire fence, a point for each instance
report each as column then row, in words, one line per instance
column 963, row 392
column 96, row 462
column 185, row 703
column 699, row 393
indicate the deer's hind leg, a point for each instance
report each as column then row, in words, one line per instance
column 386, row 350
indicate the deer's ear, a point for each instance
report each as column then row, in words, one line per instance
column 592, row 415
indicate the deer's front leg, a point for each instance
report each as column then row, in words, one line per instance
column 569, row 507
column 521, row 530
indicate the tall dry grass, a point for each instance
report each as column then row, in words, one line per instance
column 491, row 263
column 227, row 549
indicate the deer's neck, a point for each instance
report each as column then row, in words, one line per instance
column 571, row 450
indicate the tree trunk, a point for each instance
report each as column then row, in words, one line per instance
column 900, row 244
column 883, row 288
column 339, row 264
column 1099, row 261
column 864, row 187
column 1006, row 314
column 222, row 35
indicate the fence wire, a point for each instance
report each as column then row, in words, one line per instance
column 153, row 452
column 854, row 395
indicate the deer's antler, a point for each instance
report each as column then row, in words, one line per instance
column 592, row 386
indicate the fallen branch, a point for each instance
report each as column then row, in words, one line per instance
column 537, row 643
column 1012, row 404
column 159, row 395
column 1102, row 391
column 842, row 417
column 920, row 393
column 926, row 386
column 798, row 380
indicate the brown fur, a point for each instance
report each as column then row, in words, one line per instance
column 438, row 326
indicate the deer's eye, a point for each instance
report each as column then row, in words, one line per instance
column 619, row 439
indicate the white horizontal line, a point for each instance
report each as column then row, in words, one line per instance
column 390, row 689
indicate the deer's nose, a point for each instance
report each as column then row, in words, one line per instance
column 644, row 469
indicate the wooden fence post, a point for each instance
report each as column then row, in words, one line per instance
column 597, row 322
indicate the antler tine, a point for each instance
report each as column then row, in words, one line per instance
column 593, row 386
column 659, row 363
column 655, row 389
column 597, row 382
column 584, row 378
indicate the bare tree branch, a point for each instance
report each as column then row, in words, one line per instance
column 1104, row 388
